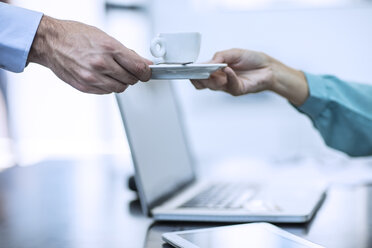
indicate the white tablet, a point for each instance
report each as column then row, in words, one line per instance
column 246, row 235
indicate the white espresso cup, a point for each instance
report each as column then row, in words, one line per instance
column 176, row 48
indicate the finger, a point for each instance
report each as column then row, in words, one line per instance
column 217, row 81
column 149, row 62
column 234, row 85
column 218, row 57
column 120, row 74
column 110, row 85
column 83, row 87
column 230, row 74
column 96, row 91
column 230, row 57
column 198, row 85
column 135, row 64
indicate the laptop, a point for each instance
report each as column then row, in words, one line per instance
column 168, row 187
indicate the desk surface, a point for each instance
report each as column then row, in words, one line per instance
column 85, row 203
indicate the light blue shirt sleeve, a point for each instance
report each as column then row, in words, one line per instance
column 18, row 27
column 342, row 112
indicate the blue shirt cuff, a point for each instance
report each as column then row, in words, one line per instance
column 18, row 27
column 318, row 96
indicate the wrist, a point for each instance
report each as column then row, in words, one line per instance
column 41, row 47
column 289, row 83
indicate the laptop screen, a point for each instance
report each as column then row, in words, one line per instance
column 156, row 138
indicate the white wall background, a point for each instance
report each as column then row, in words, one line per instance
column 52, row 119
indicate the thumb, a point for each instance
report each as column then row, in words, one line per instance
column 148, row 62
column 230, row 57
column 218, row 58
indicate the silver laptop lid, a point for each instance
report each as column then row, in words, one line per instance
column 155, row 133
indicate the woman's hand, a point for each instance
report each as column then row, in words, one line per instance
column 251, row 72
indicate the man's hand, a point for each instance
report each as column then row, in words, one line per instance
column 251, row 72
column 87, row 58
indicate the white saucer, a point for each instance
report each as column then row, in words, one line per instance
column 189, row 71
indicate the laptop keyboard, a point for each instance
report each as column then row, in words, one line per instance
column 222, row 196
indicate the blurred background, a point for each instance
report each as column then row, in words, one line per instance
column 49, row 119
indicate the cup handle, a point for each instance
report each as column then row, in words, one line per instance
column 158, row 47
